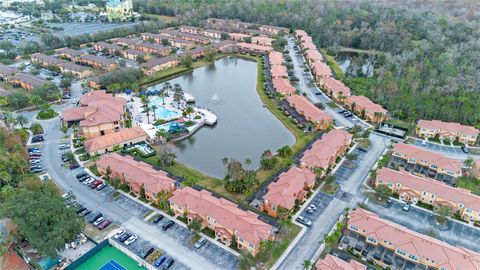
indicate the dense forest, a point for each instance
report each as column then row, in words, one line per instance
column 429, row 56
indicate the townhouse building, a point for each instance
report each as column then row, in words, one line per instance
column 189, row 29
column 123, row 138
column 182, row 43
column 324, row 152
column 238, row 36
column 312, row 113
column 136, row 174
column 290, row 188
column 283, row 86
column 152, row 48
column 157, row 64
column 414, row 189
column 335, row 89
column 133, row 54
column 224, row 217
column 212, row 33
column 78, row 71
column 320, row 70
column 275, row 58
column 390, row 245
column 423, row 162
column 200, row 39
column 331, row 262
column 366, row 108
column 97, row 62
column 253, row 49
column 225, row 46
column 447, row 131
column 299, row 33
column 125, row 42
column 278, row 71
column 274, row 29
column 111, row 49
column 7, row 72
column 264, row 41
column 197, row 52
column 313, row 56
column 27, row 81
column 45, row 60
column 157, row 38
column 70, row 54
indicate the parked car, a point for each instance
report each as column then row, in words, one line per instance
column 88, row 181
column 157, row 219
column 159, row 261
column 119, row 233
column 124, row 237
column 168, row 263
column 74, row 166
column 146, row 251
column 63, row 146
column 465, row 149
column 80, row 209
column 86, row 212
column 101, row 186
column 81, row 174
column 130, row 240
column 94, row 217
column 104, row 224
column 167, row 225
column 200, row 242
column 98, row 221
column 38, row 170
column 95, row 184
column 303, row 221
column 406, row 207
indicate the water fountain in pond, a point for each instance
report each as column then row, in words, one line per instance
column 215, row 98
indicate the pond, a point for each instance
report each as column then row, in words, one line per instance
column 244, row 128
column 356, row 64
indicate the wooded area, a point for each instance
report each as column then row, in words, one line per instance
column 428, row 67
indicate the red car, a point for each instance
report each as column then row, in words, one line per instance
column 104, row 224
column 94, row 184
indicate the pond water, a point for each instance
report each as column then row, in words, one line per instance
column 356, row 64
column 244, row 129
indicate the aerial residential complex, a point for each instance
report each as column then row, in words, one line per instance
column 447, row 131
column 383, row 240
column 414, row 189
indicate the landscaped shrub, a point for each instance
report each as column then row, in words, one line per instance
column 47, row 114
column 197, row 117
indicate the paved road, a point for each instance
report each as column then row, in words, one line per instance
column 331, row 207
column 449, row 151
column 313, row 93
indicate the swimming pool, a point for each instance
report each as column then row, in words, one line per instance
column 161, row 112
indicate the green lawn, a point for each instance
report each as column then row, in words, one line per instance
column 105, row 255
column 469, row 183
column 333, row 65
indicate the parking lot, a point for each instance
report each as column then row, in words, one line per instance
column 454, row 151
column 321, row 201
column 423, row 221
column 132, row 206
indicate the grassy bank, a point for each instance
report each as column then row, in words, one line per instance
column 333, row 65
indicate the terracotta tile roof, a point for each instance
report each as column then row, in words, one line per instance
column 262, row 40
column 34, row 81
column 69, row 66
column 248, row 46
column 105, row 45
column 300, row 33
column 306, row 108
column 6, row 70
column 76, row 114
column 276, row 58
column 313, row 55
column 309, row 45
column 94, row 96
column 331, row 262
column 321, row 69
column 277, row 28
column 364, row 102
column 197, row 50
column 183, row 41
column 129, row 41
column 134, row 52
column 103, row 111
column 286, row 189
column 441, row 161
column 223, row 43
column 154, row 181
column 193, row 36
column 325, row 149
column 283, row 86
column 48, row 59
column 449, row 127
column 70, row 52
column 112, row 139
column 238, row 35
column 227, row 214
column 278, row 71
column 97, row 59
column 153, row 46
column 336, row 86
column 441, row 190
column 155, row 61
column 445, row 255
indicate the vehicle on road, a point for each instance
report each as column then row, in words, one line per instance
column 98, row 221
column 200, row 242
column 130, row 240
column 303, row 221
column 157, row 219
column 167, row 225
column 406, row 207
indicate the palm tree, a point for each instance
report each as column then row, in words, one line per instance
column 154, row 108
column 306, row 264
column 9, row 119
column 225, row 163
column 35, row 100
column 21, row 120
column 164, row 92
column 188, row 110
column 178, row 94
column 248, row 162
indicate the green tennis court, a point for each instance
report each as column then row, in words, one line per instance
column 110, row 258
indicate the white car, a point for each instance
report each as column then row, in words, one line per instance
column 312, row 206
column 88, row 181
column 98, row 221
column 119, row 233
column 130, row 240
